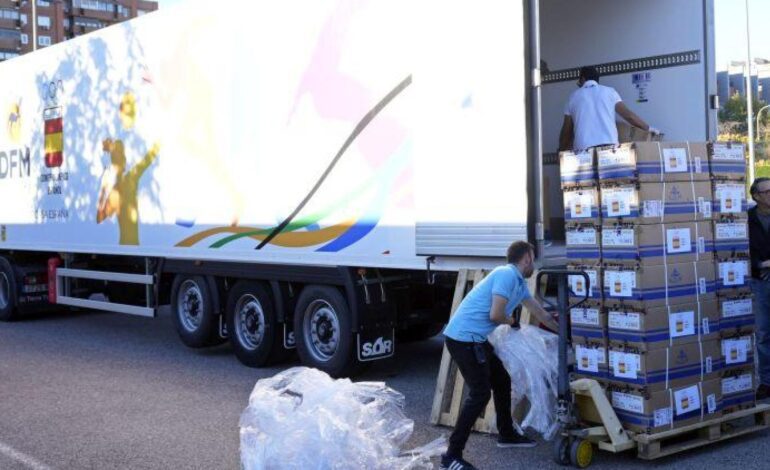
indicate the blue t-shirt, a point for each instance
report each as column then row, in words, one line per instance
column 471, row 322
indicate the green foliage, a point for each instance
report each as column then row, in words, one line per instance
column 734, row 110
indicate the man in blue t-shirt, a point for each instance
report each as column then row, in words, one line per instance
column 489, row 304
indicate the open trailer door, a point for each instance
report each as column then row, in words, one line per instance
column 658, row 55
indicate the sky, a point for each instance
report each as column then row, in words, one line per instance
column 730, row 24
column 730, row 35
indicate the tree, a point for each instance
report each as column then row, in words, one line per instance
column 734, row 112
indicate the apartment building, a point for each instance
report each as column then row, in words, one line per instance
column 59, row 20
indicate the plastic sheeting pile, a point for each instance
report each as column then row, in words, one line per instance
column 303, row 419
column 530, row 355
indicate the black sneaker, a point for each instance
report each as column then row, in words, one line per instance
column 763, row 392
column 453, row 463
column 515, row 440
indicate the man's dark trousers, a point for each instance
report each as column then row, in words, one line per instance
column 485, row 376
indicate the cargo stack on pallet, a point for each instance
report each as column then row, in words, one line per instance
column 664, row 241
column 731, row 242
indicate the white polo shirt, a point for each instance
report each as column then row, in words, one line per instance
column 592, row 108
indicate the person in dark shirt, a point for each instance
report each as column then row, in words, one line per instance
column 759, row 240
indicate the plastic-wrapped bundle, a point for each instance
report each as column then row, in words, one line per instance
column 530, row 355
column 303, row 419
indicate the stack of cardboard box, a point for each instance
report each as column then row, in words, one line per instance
column 642, row 220
column 731, row 253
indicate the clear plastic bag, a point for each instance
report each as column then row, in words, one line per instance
column 530, row 355
column 303, row 419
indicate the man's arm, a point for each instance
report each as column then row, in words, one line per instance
column 540, row 313
column 497, row 313
column 567, row 135
column 630, row 116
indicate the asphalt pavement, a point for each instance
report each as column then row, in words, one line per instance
column 105, row 391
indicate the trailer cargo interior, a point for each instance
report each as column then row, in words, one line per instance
column 318, row 183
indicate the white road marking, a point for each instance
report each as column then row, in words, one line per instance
column 22, row 458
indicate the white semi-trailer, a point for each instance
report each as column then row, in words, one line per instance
column 312, row 174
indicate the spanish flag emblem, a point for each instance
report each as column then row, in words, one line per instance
column 54, row 142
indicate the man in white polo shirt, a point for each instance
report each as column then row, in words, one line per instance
column 589, row 117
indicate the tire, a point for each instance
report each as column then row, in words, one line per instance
column 419, row 332
column 561, row 450
column 581, row 453
column 8, row 292
column 323, row 331
column 252, row 326
column 192, row 309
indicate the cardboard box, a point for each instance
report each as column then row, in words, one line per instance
column 582, row 205
column 676, row 242
column 588, row 323
column 727, row 161
column 736, row 316
column 577, row 285
column 737, row 352
column 659, row 369
column 656, row 203
column 644, row 287
column 733, row 277
column 591, row 359
column 667, row 409
column 583, row 243
column 661, row 327
column 653, row 161
column 729, row 200
column 738, row 390
column 731, row 239
column 577, row 168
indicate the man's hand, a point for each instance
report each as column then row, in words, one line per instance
column 541, row 314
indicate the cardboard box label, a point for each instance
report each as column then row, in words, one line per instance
column 662, row 417
column 578, row 283
column 620, row 283
column 686, row 400
column 572, row 162
column 581, row 205
column 587, row 359
column 730, row 197
column 733, row 273
column 618, row 201
column 584, row 236
column 616, row 156
column 706, row 327
column 733, row 153
column 711, row 401
column 625, row 365
column 652, row 208
column 628, row 402
column 585, row 316
column 675, row 160
column 705, row 207
column 625, row 320
column 742, row 383
column 681, row 324
column 618, row 237
column 709, row 365
column 736, row 351
column 678, row 240
column 731, row 230
column 736, row 308
column 698, row 165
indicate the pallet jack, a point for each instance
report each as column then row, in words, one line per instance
column 582, row 399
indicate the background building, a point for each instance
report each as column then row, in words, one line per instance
column 59, row 20
column 733, row 80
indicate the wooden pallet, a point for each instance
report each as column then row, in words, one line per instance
column 450, row 386
column 738, row 423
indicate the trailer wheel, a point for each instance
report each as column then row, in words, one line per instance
column 322, row 327
column 8, row 292
column 193, row 311
column 252, row 325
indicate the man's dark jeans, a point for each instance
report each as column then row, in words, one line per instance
column 484, row 379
